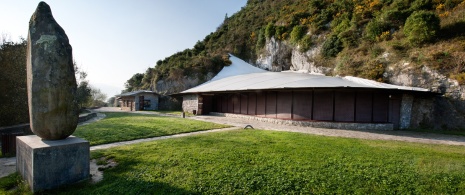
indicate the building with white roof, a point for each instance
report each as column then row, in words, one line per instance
column 241, row 89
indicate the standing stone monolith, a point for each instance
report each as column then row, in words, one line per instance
column 51, row 83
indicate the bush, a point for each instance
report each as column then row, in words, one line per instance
column 305, row 43
column 298, row 32
column 374, row 29
column 349, row 38
column 269, row 31
column 331, row 47
column 280, row 33
column 340, row 25
column 459, row 77
column 261, row 39
column 421, row 5
column 374, row 70
column 421, row 27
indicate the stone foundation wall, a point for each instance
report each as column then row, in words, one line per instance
column 190, row 103
column 317, row 124
column 405, row 111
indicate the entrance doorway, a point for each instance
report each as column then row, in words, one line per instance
column 141, row 102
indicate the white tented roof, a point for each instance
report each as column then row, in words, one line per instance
column 241, row 76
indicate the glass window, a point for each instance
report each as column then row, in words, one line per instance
column 146, row 103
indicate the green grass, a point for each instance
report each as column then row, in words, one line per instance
column 118, row 127
column 268, row 162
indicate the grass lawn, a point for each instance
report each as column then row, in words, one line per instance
column 118, row 127
column 268, row 162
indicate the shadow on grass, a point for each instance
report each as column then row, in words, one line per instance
column 125, row 178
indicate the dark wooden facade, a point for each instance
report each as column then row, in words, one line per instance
column 337, row 105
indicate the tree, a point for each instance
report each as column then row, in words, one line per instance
column 135, row 82
column 98, row 98
column 83, row 91
column 421, row 27
column 83, row 94
column 111, row 102
column 13, row 90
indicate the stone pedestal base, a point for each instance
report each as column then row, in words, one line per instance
column 47, row 164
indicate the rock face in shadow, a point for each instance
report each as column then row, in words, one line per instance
column 51, row 83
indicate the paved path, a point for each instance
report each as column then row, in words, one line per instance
column 8, row 165
column 105, row 146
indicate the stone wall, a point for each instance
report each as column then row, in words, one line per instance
column 317, row 124
column 147, row 96
column 405, row 111
column 190, row 103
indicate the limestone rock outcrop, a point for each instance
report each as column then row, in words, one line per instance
column 51, row 83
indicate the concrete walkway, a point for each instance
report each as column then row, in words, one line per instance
column 396, row 135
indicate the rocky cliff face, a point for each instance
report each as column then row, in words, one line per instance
column 174, row 86
column 445, row 111
column 278, row 56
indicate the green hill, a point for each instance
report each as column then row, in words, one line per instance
column 383, row 40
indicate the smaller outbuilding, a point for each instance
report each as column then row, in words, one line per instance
column 138, row 100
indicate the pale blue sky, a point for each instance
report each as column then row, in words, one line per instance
column 114, row 39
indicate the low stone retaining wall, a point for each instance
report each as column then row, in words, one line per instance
column 8, row 134
column 317, row 124
column 86, row 117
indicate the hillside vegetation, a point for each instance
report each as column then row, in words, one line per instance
column 352, row 37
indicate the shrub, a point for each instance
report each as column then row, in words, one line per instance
column 305, row 43
column 269, row 31
column 421, row 27
column 341, row 25
column 421, row 5
column 374, row 70
column 298, row 32
column 261, row 39
column 459, row 77
column 280, row 33
column 374, row 29
column 394, row 18
column 349, row 38
column 331, row 47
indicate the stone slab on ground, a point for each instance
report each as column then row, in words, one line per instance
column 47, row 164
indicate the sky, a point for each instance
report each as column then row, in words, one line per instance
column 115, row 39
